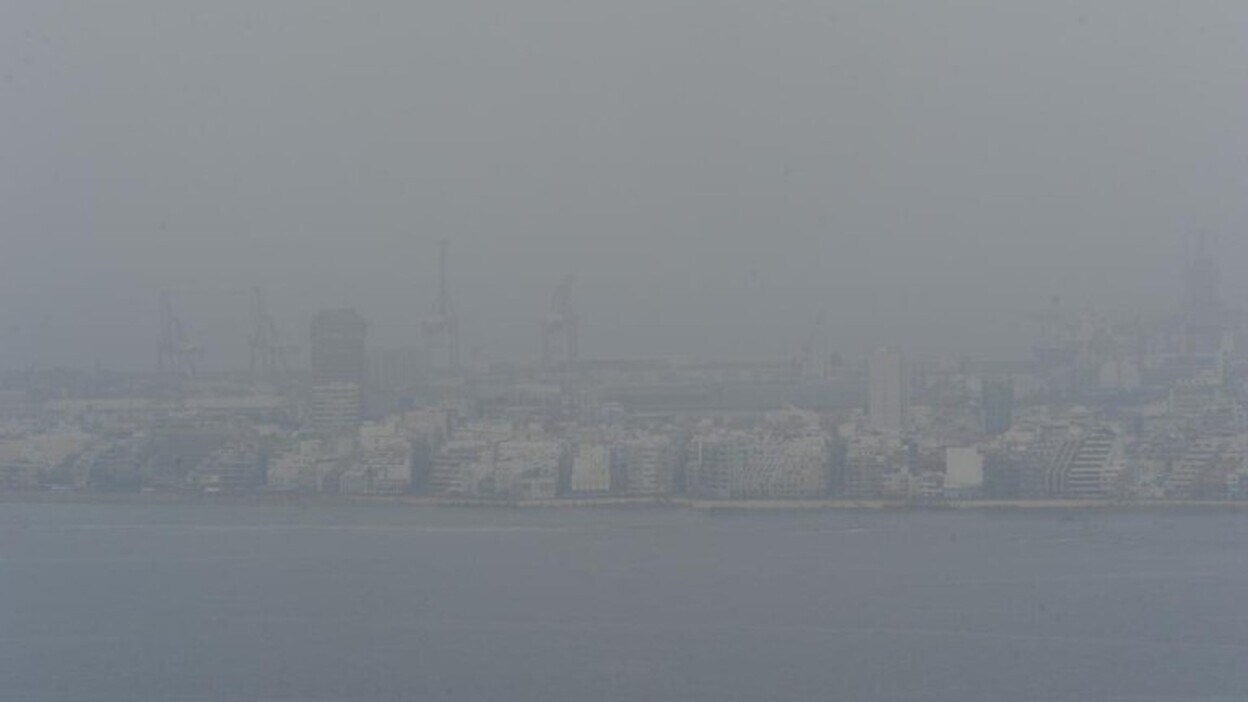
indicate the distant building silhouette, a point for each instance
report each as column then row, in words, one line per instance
column 997, row 399
column 1203, row 314
column 338, row 370
column 338, row 354
column 887, row 394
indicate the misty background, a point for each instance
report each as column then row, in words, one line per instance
column 717, row 173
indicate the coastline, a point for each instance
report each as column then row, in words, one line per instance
column 261, row 498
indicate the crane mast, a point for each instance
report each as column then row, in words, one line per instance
column 441, row 329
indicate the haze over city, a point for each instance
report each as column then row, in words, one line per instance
column 673, row 350
column 718, row 176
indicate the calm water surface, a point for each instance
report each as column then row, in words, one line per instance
column 209, row 602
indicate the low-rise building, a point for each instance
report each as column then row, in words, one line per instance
column 335, row 408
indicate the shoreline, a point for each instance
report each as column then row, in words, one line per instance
column 709, row 506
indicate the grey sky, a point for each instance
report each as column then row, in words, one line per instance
column 716, row 172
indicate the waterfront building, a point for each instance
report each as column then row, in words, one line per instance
column 997, row 402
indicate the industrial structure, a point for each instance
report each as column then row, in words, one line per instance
column 559, row 329
column 176, row 356
column 268, row 358
column 441, row 329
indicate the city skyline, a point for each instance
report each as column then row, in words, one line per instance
column 220, row 332
column 706, row 350
column 863, row 163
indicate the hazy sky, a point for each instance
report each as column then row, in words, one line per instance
column 716, row 172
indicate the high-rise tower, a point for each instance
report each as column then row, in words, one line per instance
column 1203, row 315
column 338, row 370
column 338, row 353
column 997, row 400
column 887, row 394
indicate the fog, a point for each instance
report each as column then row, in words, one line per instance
column 717, row 174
